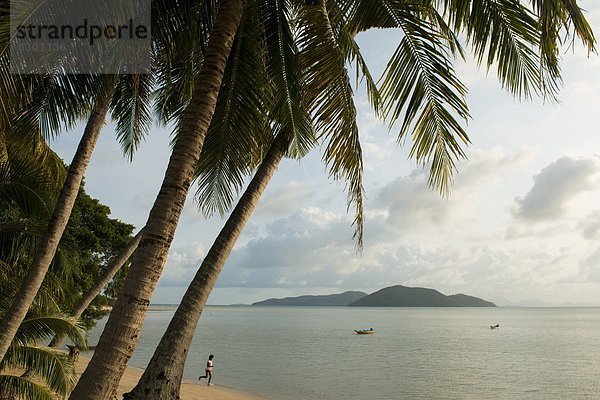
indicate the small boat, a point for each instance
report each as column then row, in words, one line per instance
column 365, row 331
column 495, row 326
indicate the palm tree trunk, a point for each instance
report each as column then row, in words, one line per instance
column 162, row 378
column 119, row 338
column 100, row 284
column 22, row 301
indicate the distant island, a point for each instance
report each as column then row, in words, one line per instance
column 393, row 296
column 331, row 300
column 403, row 296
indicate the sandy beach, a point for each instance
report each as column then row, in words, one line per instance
column 189, row 390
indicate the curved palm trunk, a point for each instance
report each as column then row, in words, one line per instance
column 119, row 338
column 101, row 283
column 22, row 301
column 162, row 378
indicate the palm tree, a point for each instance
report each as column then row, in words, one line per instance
column 169, row 357
column 13, row 317
column 128, row 98
column 30, row 178
column 324, row 82
column 115, row 347
column 28, row 182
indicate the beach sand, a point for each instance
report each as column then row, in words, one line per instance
column 189, row 390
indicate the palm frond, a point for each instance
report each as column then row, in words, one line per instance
column 331, row 104
column 39, row 103
column 289, row 109
column 50, row 103
column 33, row 149
column 54, row 367
column 419, row 84
column 361, row 15
column 19, row 238
column 446, row 32
column 20, row 388
column 24, row 185
column 345, row 39
column 238, row 130
column 24, row 235
column 554, row 17
column 38, row 329
column 178, row 51
column 506, row 34
column 131, row 108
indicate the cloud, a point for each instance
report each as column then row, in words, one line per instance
column 590, row 226
column 413, row 237
column 590, row 267
column 408, row 205
column 320, row 258
column 555, row 186
column 182, row 264
column 373, row 150
column 287, row 198
column 409, row 201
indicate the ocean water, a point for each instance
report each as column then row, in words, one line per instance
column 307, row 353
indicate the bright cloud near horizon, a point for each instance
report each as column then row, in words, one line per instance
column 522, row 220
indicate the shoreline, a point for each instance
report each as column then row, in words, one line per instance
column 190, row 390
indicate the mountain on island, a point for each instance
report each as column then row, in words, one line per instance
column 403, row 296
column 341, row 299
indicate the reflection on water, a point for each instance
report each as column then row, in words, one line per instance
column 295, row 353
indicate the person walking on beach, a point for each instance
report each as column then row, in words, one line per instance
column 208, row 370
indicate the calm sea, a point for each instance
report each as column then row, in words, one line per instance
column 300, row 353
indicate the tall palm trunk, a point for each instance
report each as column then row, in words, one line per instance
column 101, row 283
column 162, row 378
column 22, row 301
column 119, row 338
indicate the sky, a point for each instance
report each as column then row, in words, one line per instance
column 521, row 224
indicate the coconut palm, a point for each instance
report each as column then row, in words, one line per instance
column 324, row 87
column 37, row 107
column 100, row 379
column 40, row 108
column 28, row 187
column 58, row 222
column 38, row 269
column 169, row 357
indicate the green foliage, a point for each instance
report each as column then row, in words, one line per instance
column 98, row 240
column 28, row 190
column 90, row 241
column 50, row 373
column 131, row 108
column 239, row 128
